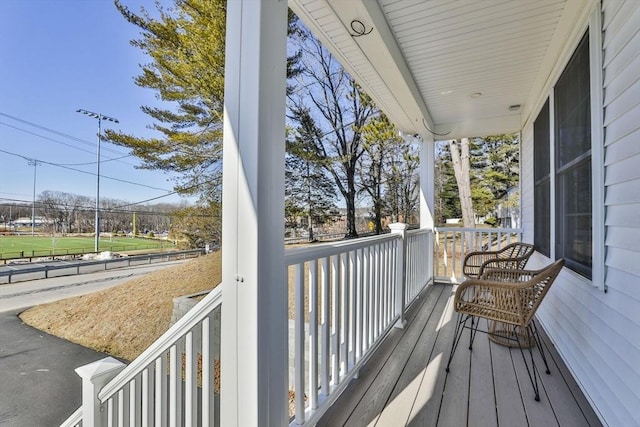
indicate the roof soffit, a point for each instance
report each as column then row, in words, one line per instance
column 427, row 59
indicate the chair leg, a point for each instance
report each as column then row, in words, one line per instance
column 461, row 321
column 533, row 373
column 538, row 340
column 475, row 323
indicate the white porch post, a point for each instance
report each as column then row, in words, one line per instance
column 427, row 186
column 95, row 376
column 254, row 310
column 427, row 192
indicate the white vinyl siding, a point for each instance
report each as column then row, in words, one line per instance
column 598, row 334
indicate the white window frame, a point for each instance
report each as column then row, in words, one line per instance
column 594, row 26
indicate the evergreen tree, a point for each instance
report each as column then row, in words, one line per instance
column 380, row 141
column 186, row 47
column 309, row 191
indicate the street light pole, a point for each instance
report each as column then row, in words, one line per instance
column 100, row 118
column 34, row 163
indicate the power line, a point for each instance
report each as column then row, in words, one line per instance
column 71, row 146
column 42, row 205
column 85, row 172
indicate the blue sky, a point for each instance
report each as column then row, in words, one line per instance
column 57, row 56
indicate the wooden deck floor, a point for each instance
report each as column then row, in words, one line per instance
column 405, row 383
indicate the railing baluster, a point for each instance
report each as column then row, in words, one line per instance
column 134, row 402
column 367, row 299
column 352, row 310
column 325, row 343
column 191, row 382
column 335, row 309
column 123, row 403
column 299, row 342
column 344, row 314
column 375, row 269
column 161, row 391
column 360, row 303
column 207, row 372
column 313, row 334
column 147, row 386
column 175, row 386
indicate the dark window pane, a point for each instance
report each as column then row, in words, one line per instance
column 573, row 237
column 573, row 107
column 541, row 167
column 573, row 162
column 542, row 213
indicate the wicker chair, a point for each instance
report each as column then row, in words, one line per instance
column 509, row 296
column 512, row 256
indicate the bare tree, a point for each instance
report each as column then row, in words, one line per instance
column 332, row 99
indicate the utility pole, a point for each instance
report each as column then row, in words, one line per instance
column 34, row 163
column 100, row 118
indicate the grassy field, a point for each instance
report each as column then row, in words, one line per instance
column 17, row 246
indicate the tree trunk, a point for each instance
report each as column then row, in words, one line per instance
column 460, row 160
column 350, row 200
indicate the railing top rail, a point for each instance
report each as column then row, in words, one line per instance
column 74, row 419
column 419, row 231
column 162, row 344
column 485, row 230
column 321, row 250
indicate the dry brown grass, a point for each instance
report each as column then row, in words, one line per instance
column 124, row 320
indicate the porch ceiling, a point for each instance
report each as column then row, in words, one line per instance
column 429, row 59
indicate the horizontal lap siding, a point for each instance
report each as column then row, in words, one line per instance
column 598, row 334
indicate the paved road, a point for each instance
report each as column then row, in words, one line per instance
column 38, row 384
column 27, row 294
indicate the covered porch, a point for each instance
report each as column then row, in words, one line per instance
column 371, row 323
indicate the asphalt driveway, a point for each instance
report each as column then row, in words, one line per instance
column 38, row 384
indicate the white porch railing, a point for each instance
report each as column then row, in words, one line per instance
column 346, row 298
column 347, row 295
column 453, row 243
column 75, row 420
column 174, row 382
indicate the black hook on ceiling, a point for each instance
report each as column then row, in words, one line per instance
column 359, row 29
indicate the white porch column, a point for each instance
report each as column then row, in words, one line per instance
column 427, row 194
column 254, row 294
column 427, row 185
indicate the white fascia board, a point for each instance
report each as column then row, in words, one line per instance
column 480, row 127
column 392, row 67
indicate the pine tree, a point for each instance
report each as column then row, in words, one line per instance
column 309, row 192
column 186, row 48
column 380, row 141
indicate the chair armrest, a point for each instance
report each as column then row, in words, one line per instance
column 473, row 262
column 493, row 300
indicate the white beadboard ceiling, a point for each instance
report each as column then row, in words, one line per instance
column 425, row 61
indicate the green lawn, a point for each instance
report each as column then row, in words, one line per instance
column 16, row 246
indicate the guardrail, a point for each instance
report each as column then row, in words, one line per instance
column 7, row 256
column 75, row 267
